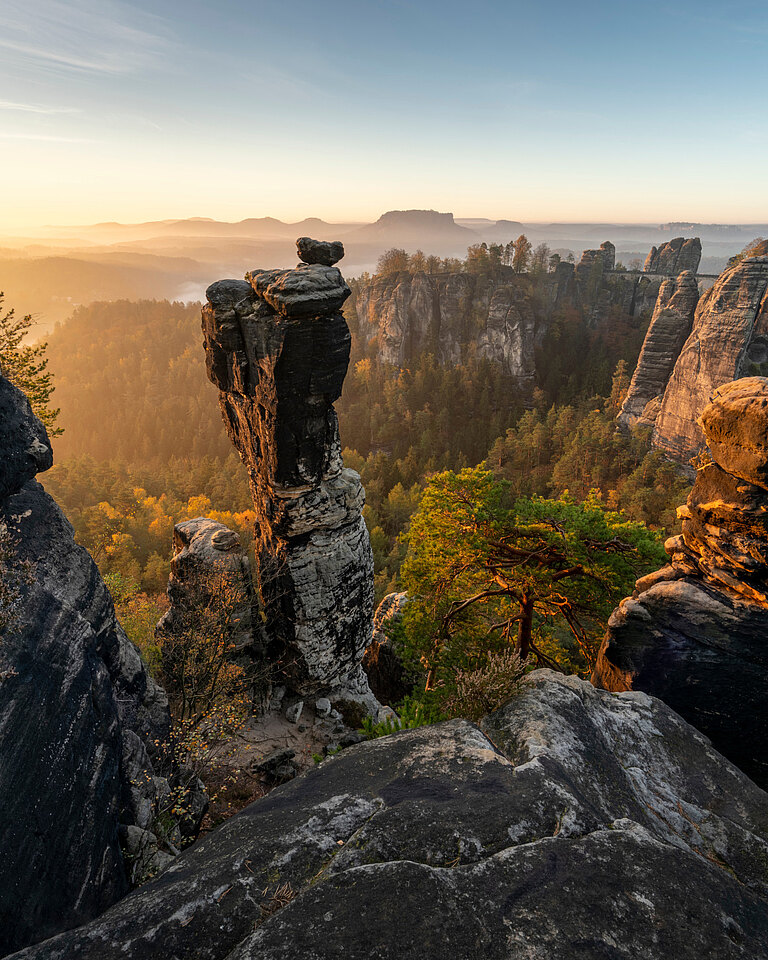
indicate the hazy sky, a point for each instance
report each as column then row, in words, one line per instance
column 619, row 110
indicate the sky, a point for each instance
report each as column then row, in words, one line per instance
column 616, row 111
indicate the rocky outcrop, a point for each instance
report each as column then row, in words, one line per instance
column 604, row 258
column 729, row 340
column 82, row 725
column 449, row 316
column 211, row 573
column 674, row 256
column 278, row 349
column 669, row 329
column 573, row 819
column 694, row 632
column 383, row 667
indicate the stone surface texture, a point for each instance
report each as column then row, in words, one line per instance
column 26, row 449
column 669, row 329
column 695, row 633
column 278, row 349
column 444, row 314
column 573, row 824
column 675, row 256
column 209, row 562
column 79, row 718
column 320, row 251
column 381, row 662
column 729, row 340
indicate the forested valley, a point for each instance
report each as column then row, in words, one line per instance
column 144, row 447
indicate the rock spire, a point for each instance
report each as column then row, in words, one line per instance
column 277, row 347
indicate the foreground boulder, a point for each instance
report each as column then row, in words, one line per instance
column 574, row 824
column 81, row 723
column 277, row 348
column 694, row 633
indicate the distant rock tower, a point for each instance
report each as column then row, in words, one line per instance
column 277, row 347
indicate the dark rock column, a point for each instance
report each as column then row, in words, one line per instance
column 82, row 724
column 277, row 347
column 695, row 633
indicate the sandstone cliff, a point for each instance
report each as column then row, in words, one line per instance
column 675, row 256
column 277, row 347
column 694, row 632
column 82, row 725
column 670, row 326
column 728, row 340
column 575, row 819
column 449, row 315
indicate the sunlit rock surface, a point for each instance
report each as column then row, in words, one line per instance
column 670, row 326
column 728, row 340
column 572, row 823
column 278, row 350
column 696, row 632
column 675, row 256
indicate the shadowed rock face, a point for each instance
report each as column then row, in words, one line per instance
column 79, row 716
column 278, row 349
column 729, row 339
column 24, row 444
column 695, row 632
column 669, row 329
column 673, row 257
column 381, row 662
column 572, row 818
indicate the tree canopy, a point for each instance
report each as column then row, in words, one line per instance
column 487, row 571
column 26, row 366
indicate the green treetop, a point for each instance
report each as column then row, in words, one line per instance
column 26, row 366
column 488, row 572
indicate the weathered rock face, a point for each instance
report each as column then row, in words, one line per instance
column 382, row 665
column 605, row 256
column 670, row 326
column 694, row 633
column 26, row 450
column 572, row 820
column 729, row 340
column 443, row 314
column 278, row 351
column 79, row 716
column 673, row 257
column 319, row 251
column 208, row 560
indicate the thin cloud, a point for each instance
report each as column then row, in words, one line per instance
column 47, row 137
column 91, row 36
column 35, row 108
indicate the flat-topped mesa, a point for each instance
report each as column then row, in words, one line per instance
column 277, row 347
column 693, row 633
column 674, row 256
column 669, row 329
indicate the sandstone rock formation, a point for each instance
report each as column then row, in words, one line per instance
column 694, row 632
column 670, row 326
column 278, row 349
column 729, row 340
column 575, row 824
column 673, row 257
column 443, row 314
column 319, row 251
column 381, row 663
column 80, row 720
column 605, row 256
column 207, row 560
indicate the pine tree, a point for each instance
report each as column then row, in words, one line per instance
column 26, row 366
